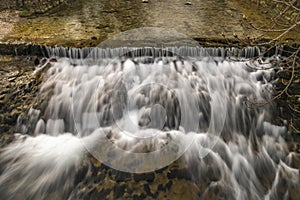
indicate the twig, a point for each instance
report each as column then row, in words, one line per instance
column 259, row 104
column 293, row 109
column 288, row 4
column 293, row 127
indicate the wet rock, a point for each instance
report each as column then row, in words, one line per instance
column 169, row 185
column 286, row 184
column 180, row 174
column 122, row 176
column 294, row 160
column 218, row 190
column 139, row 197
column 18, row 86
column 5, row 139
column 119, row 191
column 149, row 177
column 81, row 174
column 95, row 194
column 30, row 7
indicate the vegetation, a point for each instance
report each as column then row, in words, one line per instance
column 283, row 25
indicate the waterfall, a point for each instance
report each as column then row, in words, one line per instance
column 183, row 51
column 138, row 110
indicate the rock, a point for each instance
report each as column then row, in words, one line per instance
column 149, row 177
column 179, row 174
column 188, row 3
column 218, row 190
column 5, row 139
column 145, row 1
column 294, row 160
column 18, row 88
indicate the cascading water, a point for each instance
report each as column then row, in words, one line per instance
column 142, row 113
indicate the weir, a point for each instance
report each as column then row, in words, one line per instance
column 182, row 51
column 139, row 110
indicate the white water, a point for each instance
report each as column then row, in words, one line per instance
column 138, row 116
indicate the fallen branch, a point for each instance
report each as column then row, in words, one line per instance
column 259, row 104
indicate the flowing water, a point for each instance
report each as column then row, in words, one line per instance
column 139, row 110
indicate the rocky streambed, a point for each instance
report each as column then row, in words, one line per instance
column 19, row 87
column 94, row 180
column 89, row 23
column 78, row 26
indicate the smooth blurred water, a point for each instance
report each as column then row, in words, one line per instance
column 142, row 113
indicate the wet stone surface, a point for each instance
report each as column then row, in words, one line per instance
column 18, row 89
column 99, row 181
column 88, row 23
column 288, row 105
column 78, row 26
column 94, row 180
column 29, row 7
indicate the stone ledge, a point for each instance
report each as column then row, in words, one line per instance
column 25, row 49
column 20, row 49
